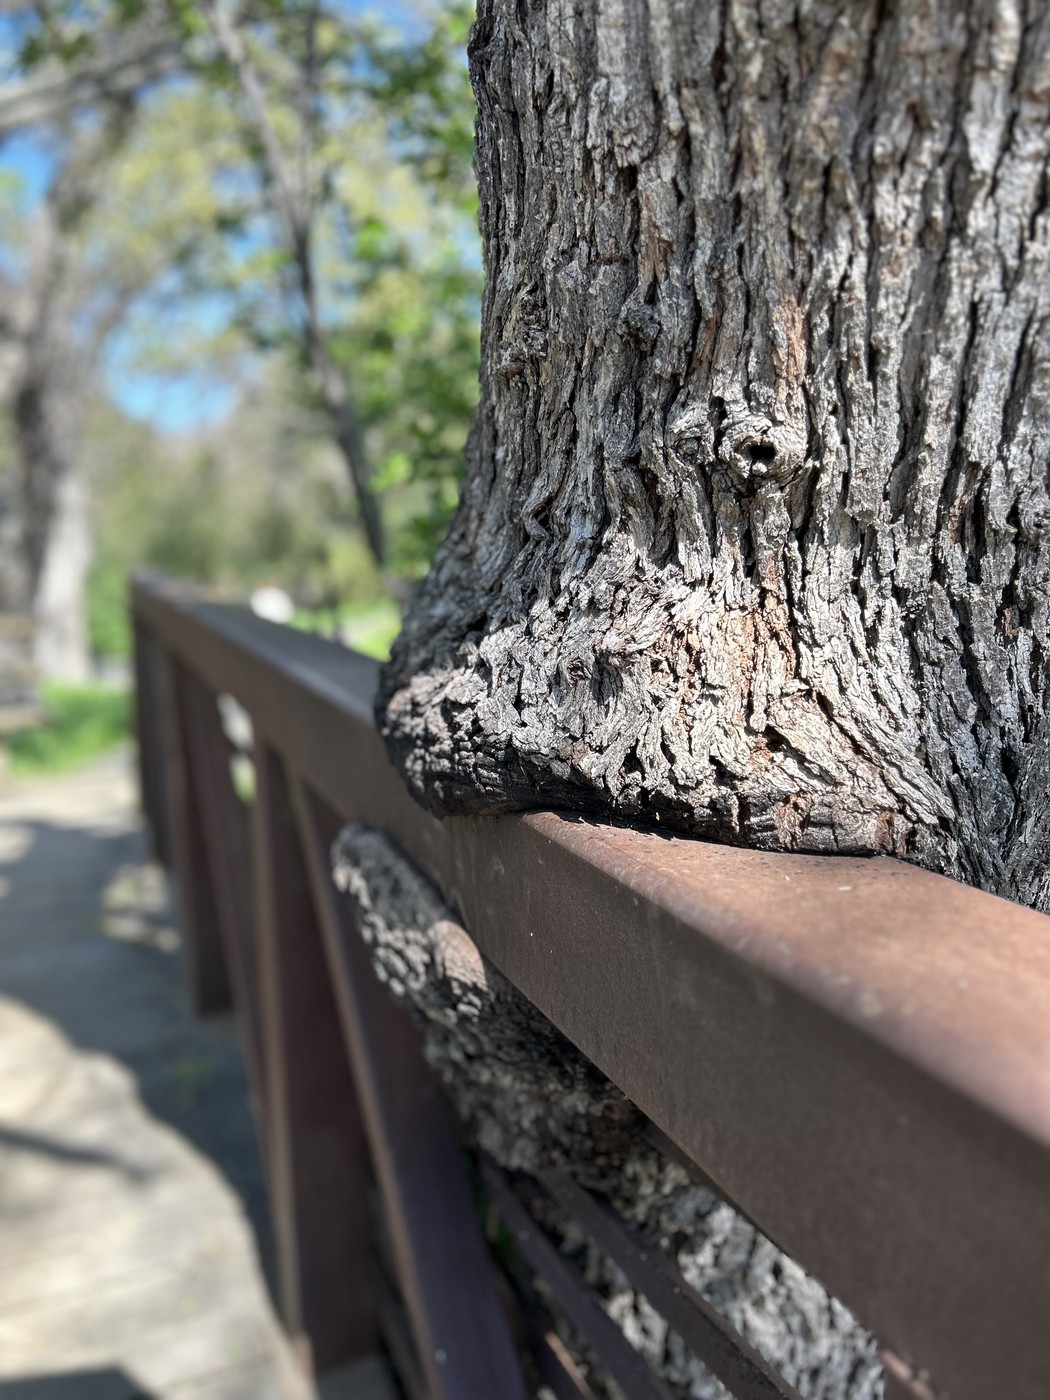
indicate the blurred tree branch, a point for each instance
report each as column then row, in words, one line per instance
column 291, row 193
column 322, row 156
column 55, row 89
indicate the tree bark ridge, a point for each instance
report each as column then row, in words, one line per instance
column 753, row 533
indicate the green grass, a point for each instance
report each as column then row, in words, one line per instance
column 81, row 722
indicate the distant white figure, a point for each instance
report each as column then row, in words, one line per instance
column 272, row 603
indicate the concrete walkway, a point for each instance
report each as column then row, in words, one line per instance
column 133, row 1228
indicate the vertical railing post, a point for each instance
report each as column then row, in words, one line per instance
column 317, row 1155
column 198, row 908
column 226, row 828
column 148, row 722
column 460, row 1331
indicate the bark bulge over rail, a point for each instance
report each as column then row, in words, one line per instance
column 753, row 534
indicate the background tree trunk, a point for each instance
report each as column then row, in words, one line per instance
column 61, row 645
column 295, row 206
column 46, row 577
column 53, row 325
column 753, row 535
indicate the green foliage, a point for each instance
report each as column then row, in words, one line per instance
column 185, row 233
column 81, row 722
column 424, row 90
column 109, row 627
column 413, row 342
column 226, row 510
column 369, row 629
column 412, row 335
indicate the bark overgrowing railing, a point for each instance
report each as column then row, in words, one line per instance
column 855, row 1053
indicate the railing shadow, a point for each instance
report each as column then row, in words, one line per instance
column 106, row 1384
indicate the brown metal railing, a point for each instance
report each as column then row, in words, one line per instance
column 855, row 1052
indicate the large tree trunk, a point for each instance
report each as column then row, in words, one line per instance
column 753, row 536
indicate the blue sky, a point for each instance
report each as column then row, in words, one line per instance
column 24, row 155
column 181, row 403
column 172, row 403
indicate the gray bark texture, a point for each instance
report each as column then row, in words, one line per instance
column 62, row 650
column 530, row 1100
column 753, row 538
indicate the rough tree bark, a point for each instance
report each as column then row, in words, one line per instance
column 753, row 534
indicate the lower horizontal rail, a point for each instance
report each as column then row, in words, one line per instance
column 579, row 1304
column 710, row 1338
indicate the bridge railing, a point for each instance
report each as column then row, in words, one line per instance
column 855, row 1053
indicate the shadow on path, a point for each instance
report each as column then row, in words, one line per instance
column 88, row 940
column 107, row 1384
column 132, row 1200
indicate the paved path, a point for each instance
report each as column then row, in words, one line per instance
column 133, row 1226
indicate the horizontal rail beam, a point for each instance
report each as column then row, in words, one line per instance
column 856, row 1051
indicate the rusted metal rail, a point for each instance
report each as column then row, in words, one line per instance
column 856, row 1053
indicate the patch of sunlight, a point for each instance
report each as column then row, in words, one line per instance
column 35, row 1063
column 114, row 824
column 135, row 909
column 126, row 1250
column 15, row 841
column 236, row 722
column 242, row 775
column 237, row 726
